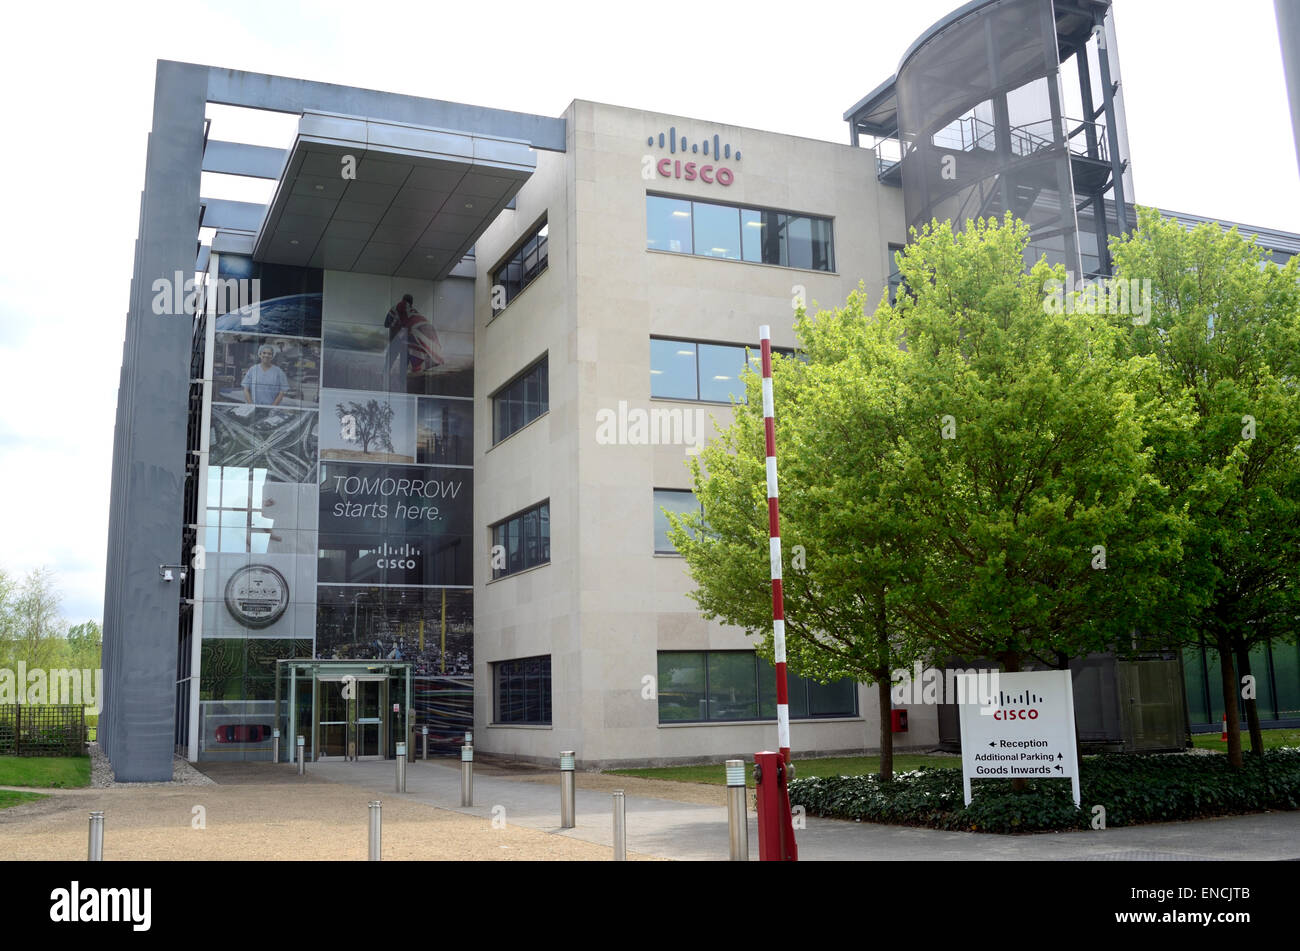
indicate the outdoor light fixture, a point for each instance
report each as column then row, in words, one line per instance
column 166, row 572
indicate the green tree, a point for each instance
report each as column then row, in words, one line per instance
column 1026, row 470
column 85, row 645
column 1224, row 327
column 847, row 554
column 31, row 627
column 965, row 470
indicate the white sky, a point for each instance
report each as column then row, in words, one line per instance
column 1208, row 124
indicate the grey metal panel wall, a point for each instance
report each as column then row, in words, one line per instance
column 141, row 611
column 1288, row 29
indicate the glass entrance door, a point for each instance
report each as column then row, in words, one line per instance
column 370, row 704
column 332, row 723
column 350, row 721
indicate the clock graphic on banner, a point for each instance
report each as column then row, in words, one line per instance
column 257, row 595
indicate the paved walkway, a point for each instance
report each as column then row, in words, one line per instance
column 682, row 830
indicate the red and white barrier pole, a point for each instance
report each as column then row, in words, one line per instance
column 774, row 533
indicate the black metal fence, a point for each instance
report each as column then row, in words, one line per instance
column 42, row 730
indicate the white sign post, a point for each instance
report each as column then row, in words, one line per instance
column 1023, row 727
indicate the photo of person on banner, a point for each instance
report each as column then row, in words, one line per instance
column 422, row 349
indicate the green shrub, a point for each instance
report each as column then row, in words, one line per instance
column 1134, row 789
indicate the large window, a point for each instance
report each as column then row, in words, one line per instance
column 520, row 268
column 703, row 686
column 759, row 235
column 520, row 401
column 677, row 501
column 522, row 690
column 710, row 372
column 524, row 540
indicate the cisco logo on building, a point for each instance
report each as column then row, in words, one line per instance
column 257, row 595
column 711, row 151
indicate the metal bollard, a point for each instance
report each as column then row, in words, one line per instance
column 467, row 775
column 620, row 826
column 424, row 742
column 95, row 847
column 376, row 843
column 302, row 754
column 568, row 789
column 737, row 820
column 401, row 767
column 469, row 738
column 275, row 746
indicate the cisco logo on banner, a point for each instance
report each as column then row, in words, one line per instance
column 713, row 152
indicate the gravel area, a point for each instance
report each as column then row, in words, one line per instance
column 314, row 821
column 101, row 773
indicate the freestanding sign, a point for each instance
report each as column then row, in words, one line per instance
column 1022, row 727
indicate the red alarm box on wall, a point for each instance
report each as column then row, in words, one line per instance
column 898, row 721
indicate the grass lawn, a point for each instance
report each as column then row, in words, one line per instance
column 8, row 798
column 1272, row 740
column 715, row 774
column 45, row 772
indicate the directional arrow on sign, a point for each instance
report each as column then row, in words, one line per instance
column 1060, row 756
column 1058, row 768
column 992, row 743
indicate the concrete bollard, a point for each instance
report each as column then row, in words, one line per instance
column 620, row 826
column 737, row 821
column 376, row 832
column 95, row 847
column 568, row 789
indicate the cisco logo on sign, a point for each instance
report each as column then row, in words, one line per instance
column 711, row 152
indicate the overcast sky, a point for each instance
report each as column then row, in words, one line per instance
column 1208, row 124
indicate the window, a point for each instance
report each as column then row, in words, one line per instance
column 522, row 690
column 704, row 686
column 521, row 267
column 235, row 520
column 525, row 540
column 709, row 372
column 677, row 501
column 520, row 401
column 760, row 235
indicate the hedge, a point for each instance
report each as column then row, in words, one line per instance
column 1134, row 789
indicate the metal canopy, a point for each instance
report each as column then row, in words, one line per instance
column 419, row 200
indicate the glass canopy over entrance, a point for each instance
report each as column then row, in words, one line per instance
column 343, row 709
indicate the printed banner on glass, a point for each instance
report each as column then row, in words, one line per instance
column 265, row 371
column 395, row 524
column 281, row 441
column 432, row 627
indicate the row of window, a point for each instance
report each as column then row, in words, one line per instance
column 693, row 687
column 736, row 233
column 706, row 229
column 520, row 401
column 708, row 372
column 522, row 541
column 521, row 268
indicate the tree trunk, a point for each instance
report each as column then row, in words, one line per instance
column 1229, row 683
column 884, row 682
column 1252, row 709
